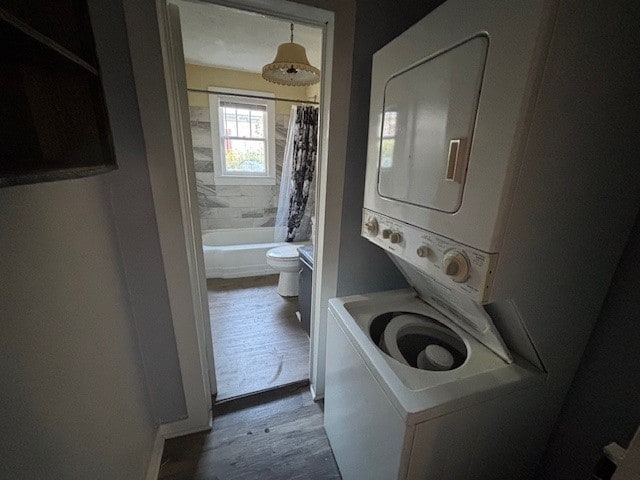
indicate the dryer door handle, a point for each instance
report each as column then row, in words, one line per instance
column 452, row 174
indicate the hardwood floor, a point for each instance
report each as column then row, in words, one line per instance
column 258, row 342
column 271, row 436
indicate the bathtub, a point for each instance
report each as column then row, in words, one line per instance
column 238, row 252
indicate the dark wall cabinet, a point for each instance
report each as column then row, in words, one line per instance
column 53, row 118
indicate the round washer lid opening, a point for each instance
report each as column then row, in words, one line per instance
column 417, row 341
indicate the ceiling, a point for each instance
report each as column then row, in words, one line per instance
column 224, row 37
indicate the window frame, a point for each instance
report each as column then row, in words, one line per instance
column 220, row 175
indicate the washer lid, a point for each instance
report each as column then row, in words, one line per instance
column 284, row 252
column 460, row 309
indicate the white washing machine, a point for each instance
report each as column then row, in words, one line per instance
column 413, row 393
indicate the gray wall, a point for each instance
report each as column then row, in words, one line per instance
column 135, row 221
column 364, row 267
column 603, row 404
column 84, row 382
column 72, row 402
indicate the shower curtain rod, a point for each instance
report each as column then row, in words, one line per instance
column 227, row 94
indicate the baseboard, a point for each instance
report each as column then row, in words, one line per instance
column 172, row 430
column 314, row 395
column 156, row 457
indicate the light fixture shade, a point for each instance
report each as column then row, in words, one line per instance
column 291, row 67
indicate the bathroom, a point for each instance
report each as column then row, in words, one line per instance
column 259, row 342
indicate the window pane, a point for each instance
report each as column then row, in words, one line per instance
column 230, row 127
column 257, row 124
column 244, row 128
column 245, row 156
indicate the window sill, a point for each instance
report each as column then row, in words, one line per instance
column 244, row 180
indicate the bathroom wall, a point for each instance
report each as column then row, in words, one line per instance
column 199, row 76
column 232, row 206
column 235, row 206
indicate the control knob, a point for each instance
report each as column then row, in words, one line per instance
column 423, row 251
column 386, row 233
column 371, row 226
column 456, row 266
column 395, row 237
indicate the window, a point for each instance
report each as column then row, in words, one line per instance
column 243, row 138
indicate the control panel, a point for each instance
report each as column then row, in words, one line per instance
column 459, row 267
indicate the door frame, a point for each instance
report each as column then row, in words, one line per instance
column 193, row 331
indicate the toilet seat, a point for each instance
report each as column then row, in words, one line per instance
column 287, row 252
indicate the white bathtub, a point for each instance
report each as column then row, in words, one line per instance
column 238, row 252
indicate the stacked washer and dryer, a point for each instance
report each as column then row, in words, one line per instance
column 462, row 375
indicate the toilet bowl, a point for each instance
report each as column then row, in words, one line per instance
column 285, row 260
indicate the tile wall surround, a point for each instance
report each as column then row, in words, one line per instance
column 232, row 206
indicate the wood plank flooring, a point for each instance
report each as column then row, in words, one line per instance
column 272, row 436
column 258, row 342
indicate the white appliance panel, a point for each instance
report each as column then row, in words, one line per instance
column 427, row 251
column 361, row 416
column 473, row 211
column 454, row 278
column 427, row 124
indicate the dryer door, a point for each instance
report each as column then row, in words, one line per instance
column 427, row 126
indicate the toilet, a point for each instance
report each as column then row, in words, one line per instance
column 285, row 260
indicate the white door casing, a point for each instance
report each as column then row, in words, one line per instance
column 148, row 30
column 175, row 195
column 176, row 81
column 329, row 177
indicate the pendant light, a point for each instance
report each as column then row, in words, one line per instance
column 291, row 66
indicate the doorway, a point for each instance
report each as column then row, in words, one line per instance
column 240, row 126
column 153, row 42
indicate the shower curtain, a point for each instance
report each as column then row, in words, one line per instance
column 297, row 188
